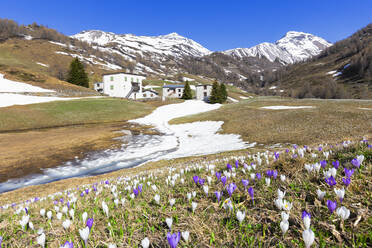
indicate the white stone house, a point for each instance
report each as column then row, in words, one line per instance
column 123, row 85
column 203, row 91
column 173, row 91
column 98, row 87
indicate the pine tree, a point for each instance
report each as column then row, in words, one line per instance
column 215, row 94
column 187, row 94
column 223, row 93
column 77, row 74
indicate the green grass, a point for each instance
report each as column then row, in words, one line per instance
column 62, row 113
column 329, row 120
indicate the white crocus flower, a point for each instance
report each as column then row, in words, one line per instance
column 267, row 180
column 279, row 203
column 282, row 178
column 240, row 216
column 185, row 235
column 145, row 243
column 343, row 212
column 105, row 208
column 188, row 195
column 42, row 212
column 284, row 225
column 281, row 194
column 340, row 193
column 41, row 240
column 308, row 236
column 193, row 206
column 307, row 222
column 320, row 194
column 285, row 216
column 112, row 246
column 287, row 205
column 84, row 216
column 84, row 234
column 49, row 214
column 157, row 199
column 172, row 202
column 31, row 225
column 169, row 222
column 59, row 216
column 66, row 224
column 72, row 213
column 24, row 221
column 205, row 189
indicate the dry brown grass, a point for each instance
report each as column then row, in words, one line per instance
column 329, row 121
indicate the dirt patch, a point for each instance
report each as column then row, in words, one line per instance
column 24, row 153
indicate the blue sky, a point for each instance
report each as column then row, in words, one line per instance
column 217, row 25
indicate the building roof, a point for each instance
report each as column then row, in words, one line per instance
column 114, row 73
column 203, row 85
column 153, row 91
column 173, row 86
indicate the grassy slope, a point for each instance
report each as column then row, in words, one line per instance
column 330, row 120
column 62, row 113
column 315, row 73
column 210, row 225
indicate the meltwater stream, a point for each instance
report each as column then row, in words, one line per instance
column 190, row 139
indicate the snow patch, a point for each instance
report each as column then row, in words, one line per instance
column 280, row 107
column 366, row 108
column 42, row 64
column 232, row 99
column 8, row 86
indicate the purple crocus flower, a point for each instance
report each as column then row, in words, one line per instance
column 1, row 241
column 276, row 154
column 320, row 148
column 218, row 195
column 201, row 181
column 67, row 245
column 348, row 173
column 230, row 188
column 323, row 163
column 295, row 146
column 61, row 200
column 229, row 167
column 346, row 181
column 196, row 179
column 136, row 192
column 331, row 181
column 269, row 173
column 336, row 164
column 86, row 191
column 275, row 174
column 94, row 188
column 245, row 182
column 90, row 223
column 332, row 205
column 251, row 193
column 305, row 213
column 287, row 150
column 223, row 180
column 140, row 188
column 68, row 204
column 258, row 176
column 107, row 182
column 55, row 202
column 36, row 199
column 355, row 162
column 173, row 239
column 26, row 210
column 237, row 164
column 294, row 155
column 82, row 194
column 218, row 175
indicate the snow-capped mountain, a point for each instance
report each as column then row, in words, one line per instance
column 156, row 47
column 293, row 47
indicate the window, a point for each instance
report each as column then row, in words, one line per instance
column 111, row 87
column 111, row 78
column 152, row 95
column 205, row 94
column 179, row 90
column 144, row 95
column 205, row 87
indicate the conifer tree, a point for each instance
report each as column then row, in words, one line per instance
column 77, row 74
column 215, row 94
column 187, row 94
column 223, row 93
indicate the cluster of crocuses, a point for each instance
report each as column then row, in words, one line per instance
column 226, row 185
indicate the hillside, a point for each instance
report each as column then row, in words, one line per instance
column 343, row 70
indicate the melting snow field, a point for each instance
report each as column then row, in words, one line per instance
column 18, row 87
column 280, row 107
column 181, row 140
